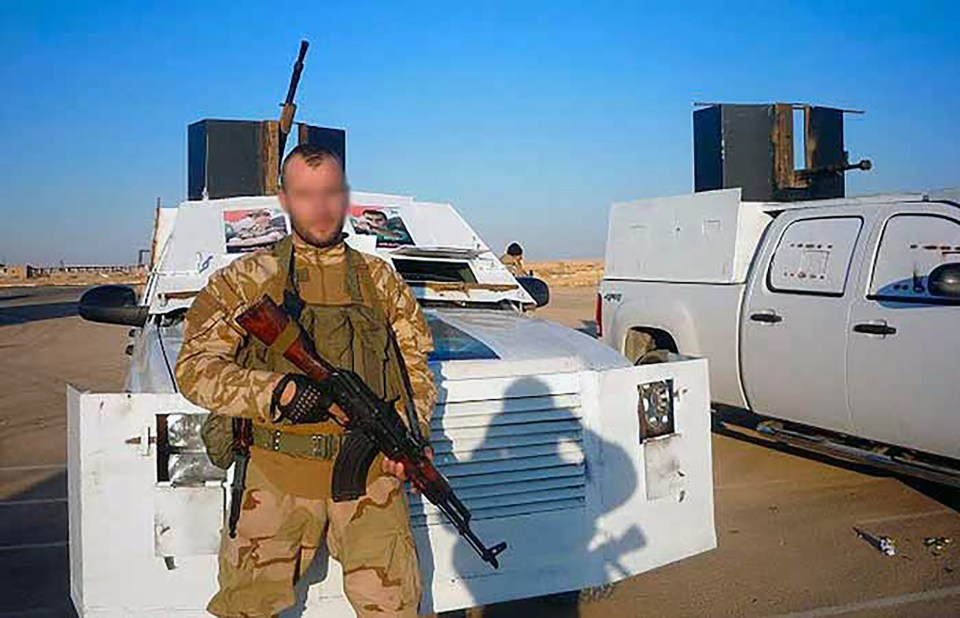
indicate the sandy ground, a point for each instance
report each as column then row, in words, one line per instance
column 569, row 273
column 784, row 520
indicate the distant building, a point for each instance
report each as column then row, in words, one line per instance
column 86, row 269
column 19, row 272
column 15, row 271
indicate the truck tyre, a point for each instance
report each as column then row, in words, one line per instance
column 641, row 349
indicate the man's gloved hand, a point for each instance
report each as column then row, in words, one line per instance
column 395, row 468
column 298, row 399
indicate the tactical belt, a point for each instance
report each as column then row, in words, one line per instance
column 316, row 446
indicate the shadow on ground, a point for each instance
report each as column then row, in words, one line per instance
column 588, row 327
column 34, row 558
column 554, row 606
column 727, row 421
column 22, row 314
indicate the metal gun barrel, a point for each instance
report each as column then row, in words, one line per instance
column 457, row 514
column 289, row 108
column 297, row 70
column 836, row 169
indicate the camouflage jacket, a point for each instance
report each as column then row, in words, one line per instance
column 514, row 264
column 207, row 372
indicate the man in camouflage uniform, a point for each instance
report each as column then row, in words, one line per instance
column 361, row 316
column 513, row 260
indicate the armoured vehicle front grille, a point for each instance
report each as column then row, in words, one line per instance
column 514, row 454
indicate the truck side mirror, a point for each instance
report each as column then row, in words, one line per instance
column 944, row 280
column 112, row 304
column 537, row 288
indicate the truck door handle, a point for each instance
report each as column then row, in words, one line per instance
column 874, row 328
column 767, row 317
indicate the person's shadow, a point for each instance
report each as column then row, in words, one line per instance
column 536, row 463
column 315, row 573
column 535, row 458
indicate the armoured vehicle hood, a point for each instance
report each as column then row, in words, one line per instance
column 520, row 339
column 468, row 343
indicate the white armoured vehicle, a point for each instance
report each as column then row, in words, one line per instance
column 590, row 468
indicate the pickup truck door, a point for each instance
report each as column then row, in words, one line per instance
column 903, row 340
column 794, row 321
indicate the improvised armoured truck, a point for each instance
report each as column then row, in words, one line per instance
column 592, row 469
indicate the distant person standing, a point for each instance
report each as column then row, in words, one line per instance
column 513, row 260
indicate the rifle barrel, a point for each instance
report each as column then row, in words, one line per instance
column 297, row 70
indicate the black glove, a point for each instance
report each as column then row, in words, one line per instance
column 310, row 404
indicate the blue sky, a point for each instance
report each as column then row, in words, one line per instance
column 530, row 117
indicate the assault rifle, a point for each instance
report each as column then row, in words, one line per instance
column 372, row 424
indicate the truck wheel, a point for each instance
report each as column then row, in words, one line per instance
column 641, row 349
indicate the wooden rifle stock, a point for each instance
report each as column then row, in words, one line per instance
column 267, row 321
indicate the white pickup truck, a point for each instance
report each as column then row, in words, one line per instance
column 591, row 469
column 837, row 318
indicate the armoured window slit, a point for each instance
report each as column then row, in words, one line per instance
column 507, row 406
column 418, row 271
column 562, row 456
column 500, row 479
column 433, row 518
column 490, row 432
column 522, row 487
column 181, row 456
column 554, row 388
column 517, row 453
column 163, row 450
column 509, row 457
column 511, row 500
column 447, row 423
column 525, row 509
column 445, row 446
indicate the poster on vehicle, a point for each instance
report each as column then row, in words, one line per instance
column 252, row 229
column 383, row 222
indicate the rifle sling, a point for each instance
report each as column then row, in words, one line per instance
column 287, row 336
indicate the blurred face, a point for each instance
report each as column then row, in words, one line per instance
column 317, row 200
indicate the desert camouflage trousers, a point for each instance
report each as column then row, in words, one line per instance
column 279, row 533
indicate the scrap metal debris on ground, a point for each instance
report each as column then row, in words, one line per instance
column 881, row 543
column 937, row 544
